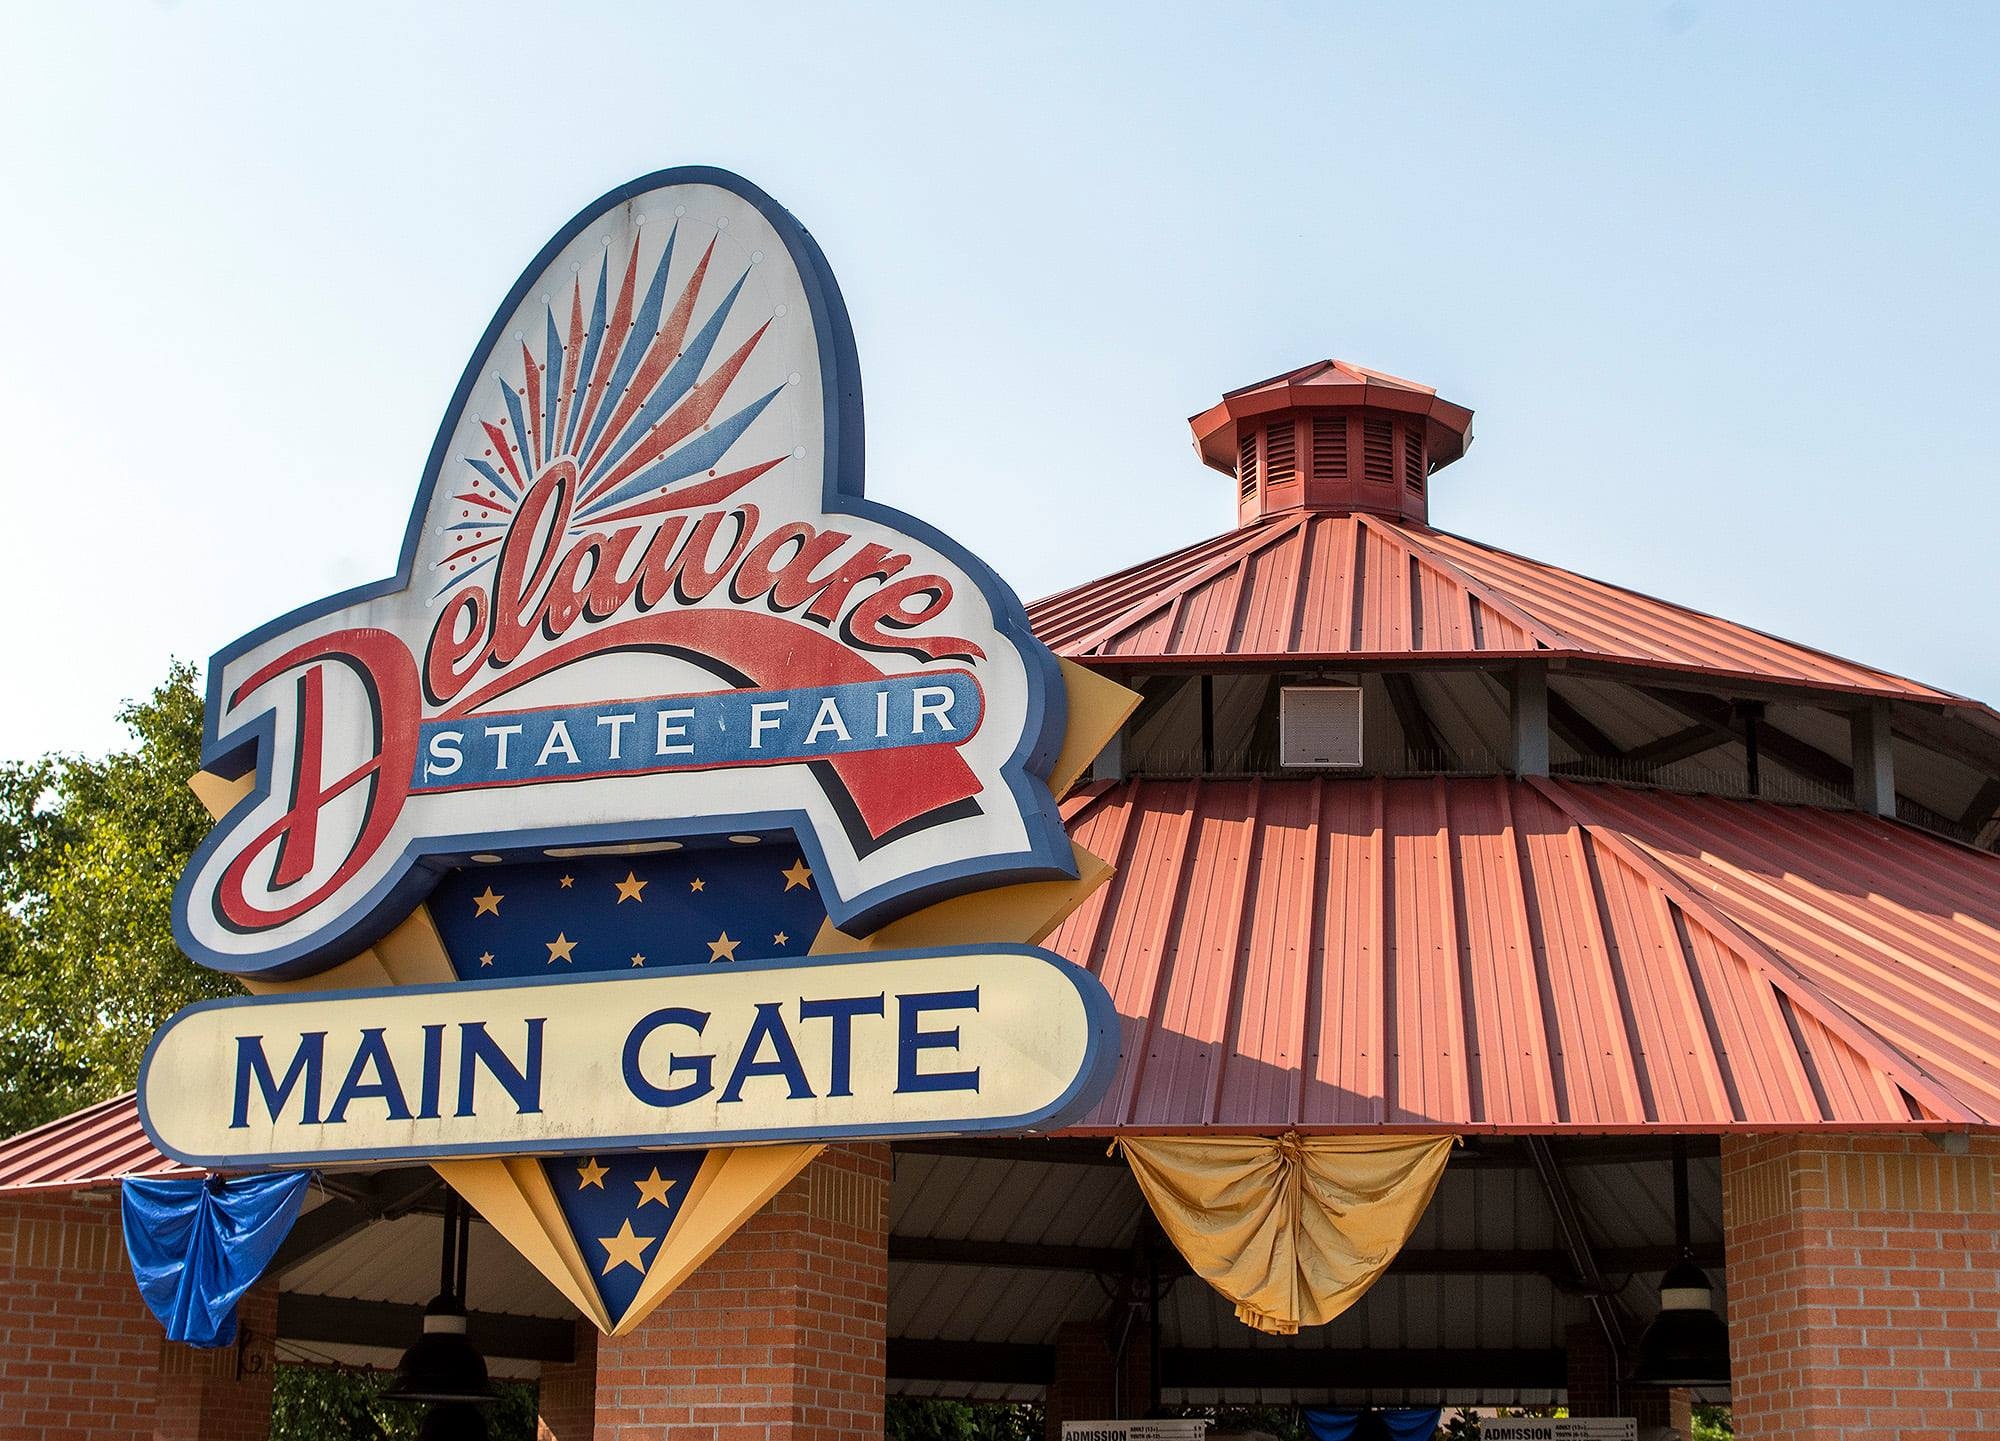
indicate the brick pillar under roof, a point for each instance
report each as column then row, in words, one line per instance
column 82, row 1359
column 566, row 1397
column 1864, row 1287
column 1089, row 1382
column 781, row 1335
column 1591, row 1390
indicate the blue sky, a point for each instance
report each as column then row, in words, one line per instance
column 1719, row 281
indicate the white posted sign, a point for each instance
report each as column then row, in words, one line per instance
column 1559, row 1428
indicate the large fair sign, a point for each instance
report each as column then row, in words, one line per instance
column 641, row 596
column 536, row 855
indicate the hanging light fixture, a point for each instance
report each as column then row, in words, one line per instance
column 1687, row 1344
column 444, row 1368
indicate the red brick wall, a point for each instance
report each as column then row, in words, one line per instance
column 1083, row 1389
column 81, row 1359
column 1592, row 1388
column 221, row 1394
column 566, row 1399
column 781, row 1335
column 78, row 1349
column 1864, row 1287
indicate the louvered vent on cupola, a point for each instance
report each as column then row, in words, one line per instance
column 1334, row 438
column 1329, row 447
column 1378, row 450
column 1281, row 454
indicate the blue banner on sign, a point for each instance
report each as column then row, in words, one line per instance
column 697, row 732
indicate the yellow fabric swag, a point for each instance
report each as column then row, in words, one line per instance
column 1292, row 1229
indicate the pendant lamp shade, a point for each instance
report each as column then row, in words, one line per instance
column 1687, row 1344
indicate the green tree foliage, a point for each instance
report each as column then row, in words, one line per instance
column 1713, row 1423
column 90, row 850
column 919, row 1418
column 330, row 1403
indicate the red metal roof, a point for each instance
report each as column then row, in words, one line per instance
column 1491, row 953
column 97, row 1146
column 1482, row 954
column 1315, row 585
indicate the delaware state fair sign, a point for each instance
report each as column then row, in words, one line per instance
column 672, row 811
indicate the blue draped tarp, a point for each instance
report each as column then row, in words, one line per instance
column 1405, row 1424
column 197, row 1246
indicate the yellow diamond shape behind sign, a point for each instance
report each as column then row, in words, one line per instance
column 679, row 1211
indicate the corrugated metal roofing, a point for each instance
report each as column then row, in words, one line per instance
column 1313, row 585
column 1469, row 953
column 97, row 1146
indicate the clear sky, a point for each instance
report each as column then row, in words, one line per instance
column 1719, row 281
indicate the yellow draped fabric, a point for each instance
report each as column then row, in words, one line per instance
column 1292, row 1229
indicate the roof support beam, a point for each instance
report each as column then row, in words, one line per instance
column 1112, row 1261
column 1680, row 746
column 1576, row 730
column 1297, row 1366
column 346, row 1321
column 1362, row 1369
column 1982, row 813
column 1798, row 756
column 1576, row 1240
column 1420, row 733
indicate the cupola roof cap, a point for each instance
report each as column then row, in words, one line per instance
column 1330, row 384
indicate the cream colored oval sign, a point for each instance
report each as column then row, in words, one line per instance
column 943, row 1042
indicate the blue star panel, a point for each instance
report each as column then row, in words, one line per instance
column 699, row 904
column 620, row 1209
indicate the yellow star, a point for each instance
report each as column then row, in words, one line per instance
column 722, row 948
column 638, row 960
column 798, row 875
column 566, row 882
column 488, row 904
column 591, row 1174
column 625, row 1249
column 629, row 888
column 654, row 1188
column 780, row 939
column 695, row 884
column 486, row 958
column 560, row 948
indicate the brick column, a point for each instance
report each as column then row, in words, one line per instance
column 83, row 1359
column 1089, row 1382
column 782, row 1335
column 221, row 1393
column 1864, row 1287
column 566, row 1399
column 79, row 1352
column 1594, row 1388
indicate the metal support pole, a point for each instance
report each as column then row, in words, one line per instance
column 1874, row 759
column 1751, row 713
column 1529, row 715
column 1153, row 1326
column 1208, row 725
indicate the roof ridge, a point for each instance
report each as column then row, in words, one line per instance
column 1683, row 608
column 1486, row 593
column 1255, row 538
column 68, row 1118
column 1795, row 985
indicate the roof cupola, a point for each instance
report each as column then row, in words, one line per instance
column 1331, row 436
